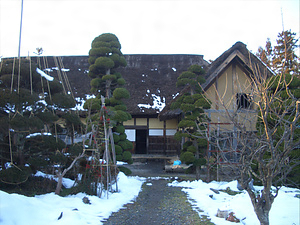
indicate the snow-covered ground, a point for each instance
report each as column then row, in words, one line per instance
column 46, row 209
column 285, row 209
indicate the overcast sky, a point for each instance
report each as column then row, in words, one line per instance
column 205, row 27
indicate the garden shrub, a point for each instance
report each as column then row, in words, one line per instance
column 187, row 157
column 125, row 170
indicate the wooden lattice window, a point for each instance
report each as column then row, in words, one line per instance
column 243, row 101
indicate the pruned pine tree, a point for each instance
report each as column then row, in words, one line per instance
column 105, row 57
column 28, row 104
column 192, row 103
column 269, row 154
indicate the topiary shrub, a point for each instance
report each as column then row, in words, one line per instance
column 118, row 150
column 120, row 93
column 191, row 149
column 62, row 100
column 14, row 175
column 119, row 129
column 199, row 162
column 187, row 157
column 109, row 77
column 202, row 143
column 121, row 107
column 44, row 150
column 120, row 116
column 126, row 156
column 126, row 144
column 47, row 116
column 186, row 107
column 187, row 123
column 197, row 69
column 119, row 157
column 95, row 82
column 94, row 103
column 123, row 137
column 125, row 170
column 130, row 161
column 75, row 149
column 188, row 99
column 104, row 62
column 202, row 102
column 116, row 137
column 121, row 81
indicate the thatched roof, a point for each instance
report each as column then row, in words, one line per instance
column 238, row 53
column 150, row 79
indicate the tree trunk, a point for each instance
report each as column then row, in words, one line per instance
column 197, row 172
column 59, row 184
column 261, row 205
column 197, row 157
column 62, row 174
column 262, row 216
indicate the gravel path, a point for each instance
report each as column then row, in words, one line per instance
column 157, row 203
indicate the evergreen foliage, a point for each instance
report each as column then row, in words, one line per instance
column 192, row 103
column 283, row 60
column 283, row 111
column 43, row 151
column 26, row 107
column 105, row 57
column 282, row 57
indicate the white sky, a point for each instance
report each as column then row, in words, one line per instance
column 206, row 27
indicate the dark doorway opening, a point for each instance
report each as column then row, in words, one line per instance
column 141, row 142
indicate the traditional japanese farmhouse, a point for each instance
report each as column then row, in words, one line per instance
column 151, row 81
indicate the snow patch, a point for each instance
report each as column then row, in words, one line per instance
column 45, row 209
column 285, row 209
column 158, row 103
column 37, row 134
column 43, row 74
column 175, row 95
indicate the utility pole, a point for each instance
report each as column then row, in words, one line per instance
column 19, row 50
column 20, row 35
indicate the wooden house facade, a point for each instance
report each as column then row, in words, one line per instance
column 229, row 87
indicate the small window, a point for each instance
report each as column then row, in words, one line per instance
column 243, row 101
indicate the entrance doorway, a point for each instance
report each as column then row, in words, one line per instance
column 141, row 142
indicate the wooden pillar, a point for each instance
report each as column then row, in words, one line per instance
column 147, row 138
column 165, row 137
column 234, row 86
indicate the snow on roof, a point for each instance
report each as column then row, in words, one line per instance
column 158, row 103
column 43, row 74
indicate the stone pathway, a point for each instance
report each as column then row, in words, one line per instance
column 157, row 203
